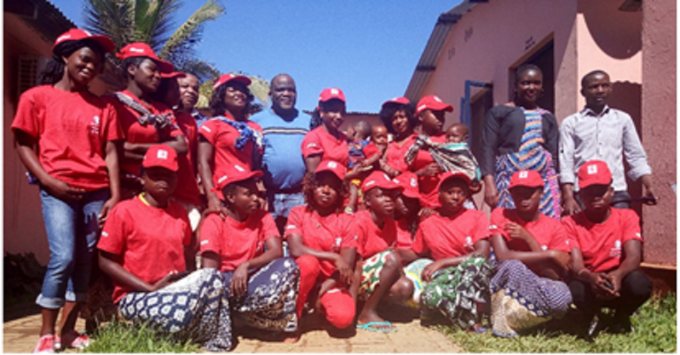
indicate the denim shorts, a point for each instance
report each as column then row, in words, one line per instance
column 72, row 233
column 280, row 204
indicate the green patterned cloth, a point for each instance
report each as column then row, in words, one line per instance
column 456, row 291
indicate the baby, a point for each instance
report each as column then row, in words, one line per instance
column 363, row 156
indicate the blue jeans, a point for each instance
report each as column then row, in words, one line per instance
column 280, row 204
column 72, row 233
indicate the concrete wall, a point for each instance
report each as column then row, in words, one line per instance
column 659, row 125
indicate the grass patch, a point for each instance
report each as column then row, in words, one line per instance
column 119, row 337
column 655, row 332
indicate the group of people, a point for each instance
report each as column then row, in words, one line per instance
column 259, row 218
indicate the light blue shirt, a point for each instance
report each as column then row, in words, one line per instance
column 282, row 161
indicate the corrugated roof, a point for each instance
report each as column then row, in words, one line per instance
column 426, row 64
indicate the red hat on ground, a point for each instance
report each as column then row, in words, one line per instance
column 528, row 178
column 141, row 49
column 332, row 166
column 453, row 174
column 397, row 100
column 409, row 182
column 175, row 74
column 225, row 78
column 432, row 102
column 594, row 172
column 381, row 180
column 162, row 156
column 236, row 173
column 76, row 34
column 330, row 94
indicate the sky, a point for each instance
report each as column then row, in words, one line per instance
column 369, row 49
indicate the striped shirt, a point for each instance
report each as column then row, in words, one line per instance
column 609, row 137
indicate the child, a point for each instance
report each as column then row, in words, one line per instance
column 66, row 137
column 380, row 138
column 462, row 158
column 456, row 239
column 147, row 249
column 145, row 121
column 381, row 266
column 363, row 156
column 606, row 252
column 323, row 242
column 532, row 251
column 246, row 247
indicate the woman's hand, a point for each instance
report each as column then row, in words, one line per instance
column 165, row 281
column 516, row 231
column 215, row 206
column 345, row 270
column 570, row 206
column 561, row 259
column 239, row 281
column 429, row 270
column 598, row 281
column 491, row 195
column 431, row 170
column 108, row 206
column 425, row 212
column 61, row 189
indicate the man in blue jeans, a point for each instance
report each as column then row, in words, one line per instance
column 284, row 128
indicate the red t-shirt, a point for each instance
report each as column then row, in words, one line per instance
column 373, row 240
column 450, row 237
column 71, row 129
column 136, row 133
column 223, row 136
column 395, row 154
column 148, row 240
column 236, row 242
column 548, row 232
column 601, row 243
column 187, row 186
column 319, row 142
column 330, row 233
column 404, row 237
column 427, row 185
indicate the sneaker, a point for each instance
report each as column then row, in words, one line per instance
column 75, row 340
column 45, row 345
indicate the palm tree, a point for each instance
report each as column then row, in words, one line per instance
column 150, row 21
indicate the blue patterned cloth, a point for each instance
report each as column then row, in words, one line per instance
column 195, row 307
column 247, row 133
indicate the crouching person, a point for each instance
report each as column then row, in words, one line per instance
column 532, row 250
column 246, row 247
column 146, row 248
column 606, row 253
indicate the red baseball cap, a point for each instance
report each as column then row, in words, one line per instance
column 409, row 182
column 528, row 178
column 432, row 102
column 175, row 74
column 381, row 180
column 330, row 94
column 141, row 49
column 594, row 172
column 453, row 174
column 235, row 173
column 225, row 78
column 76, row 34
column 332, row 166
column 397, row 100
column 161, row 155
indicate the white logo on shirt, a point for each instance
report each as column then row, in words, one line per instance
column 592, row 169
column 308, row 145
column 468, row 242
column 94, row 125
column 105, row 234
column 414, row 183
column 615, row 252
column 493, row 226
column 544, row 247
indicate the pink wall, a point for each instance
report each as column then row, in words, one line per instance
column 659, row 125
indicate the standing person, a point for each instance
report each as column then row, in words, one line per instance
column 229, row 137
column 323, row 241
column 145, row 122
column 148, row 251
column 246, row 247
column 430, row 112
column 327, row 142
column 519, row 135
column 67, row 137
column 283, row 128
column 187, row 192
column 188, row 92
column 604, row 133
column 397, row 116
column 532, row 253
column 606, row 253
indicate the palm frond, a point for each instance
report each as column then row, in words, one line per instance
column 111, row 18
column 189, row 32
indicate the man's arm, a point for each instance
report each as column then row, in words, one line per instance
column 567, row 178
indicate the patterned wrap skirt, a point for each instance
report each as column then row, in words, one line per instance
column 520, row 299
column 370, row 273
column 457, row 291
column 195, row 307
column 272, row 294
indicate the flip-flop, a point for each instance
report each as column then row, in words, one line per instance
column 371, row 326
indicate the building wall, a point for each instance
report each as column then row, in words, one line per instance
column 659, row 125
